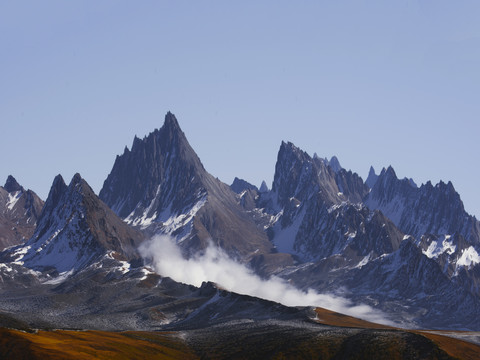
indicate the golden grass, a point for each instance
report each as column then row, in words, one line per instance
column 62, row 344
column 328, row 317
column 454, row 347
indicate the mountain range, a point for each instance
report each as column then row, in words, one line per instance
column 73, row 261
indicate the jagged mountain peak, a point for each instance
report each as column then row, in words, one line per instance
column 388, row 172
column 372, row 178
column 444, row 192
column 428, row 209
column 263, row 187
column 170, row 135
column 299, row 176
column 240, row 185
column 388, row 188
column 76, row 229
column 387, row 175
column 161, row 157
column 288, row 147
column 162, row 187
column 447, row 186
column 59, row 188
column 11, row 185
column 289, row 156
column 76, row 179
column 171, row 122
column 19, row 211
column 58, row 182
column 56, row 191
column 388, row 182
column 335, row 164
column 440, row 187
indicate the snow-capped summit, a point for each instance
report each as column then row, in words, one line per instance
column 161, row 167
column 317, row 212
column 383, row 242
column 425, row 210
column 74, row 230
column 297, row 175
column 161, row 186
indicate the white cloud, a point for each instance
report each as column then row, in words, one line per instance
column 215, row 266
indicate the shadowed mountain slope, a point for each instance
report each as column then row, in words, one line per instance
column 74, row 230
column 19, row 212
column 161, row 186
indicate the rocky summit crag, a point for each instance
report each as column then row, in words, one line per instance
column 410, row 251
column 161, row 187
column 19, row 212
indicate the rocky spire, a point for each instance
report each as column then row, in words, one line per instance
column 335, row 164
column 162, row 179
column 11, row 185
column 372, row 178
column 263, row 187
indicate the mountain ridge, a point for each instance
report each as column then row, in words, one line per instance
column 74, row 229
column 179, row 198
column 319, row 227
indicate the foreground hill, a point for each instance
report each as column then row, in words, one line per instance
column 246, row 340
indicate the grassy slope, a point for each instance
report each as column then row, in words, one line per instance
column 454, row 347
column 379, row 340
column 91, row 345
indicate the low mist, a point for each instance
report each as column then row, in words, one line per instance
column 215, row 266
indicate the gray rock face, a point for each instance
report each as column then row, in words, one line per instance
column 319, row 227
column 425, row 210
column 19, row 212
column 162, row 187
column 351, row 185
column 74, row 230
column 159, row 176
column 435, row 216
column 371, row 178
column 415, row 285
column 240, row 185
column 11, row 185
column 263, row 187
column 320, row 217
column 350, row 231
column 316, row 214
column 298, row 176
column 335, row 164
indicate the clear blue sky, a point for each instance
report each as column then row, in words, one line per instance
column 374, row 82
